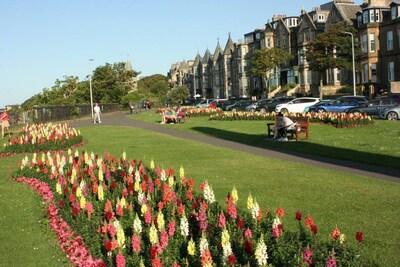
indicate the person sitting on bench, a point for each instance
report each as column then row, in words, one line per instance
column 282, row 124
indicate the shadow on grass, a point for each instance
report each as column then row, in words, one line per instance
column 328, row 154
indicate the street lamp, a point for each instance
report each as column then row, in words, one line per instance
column 90, row 86
column 354, row 66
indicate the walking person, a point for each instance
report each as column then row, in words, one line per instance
column 4, row 123
column 97, row 112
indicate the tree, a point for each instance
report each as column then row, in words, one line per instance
column 264, row 61
column 160, row 89
column 331, row 49
column 178, row 94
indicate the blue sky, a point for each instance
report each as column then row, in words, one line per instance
column 45, row 40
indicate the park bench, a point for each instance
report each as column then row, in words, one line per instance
column 301, row 131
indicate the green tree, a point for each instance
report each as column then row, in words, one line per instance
column 264, row 61
column 331, row 49
column 178, row 94
column 160, row 89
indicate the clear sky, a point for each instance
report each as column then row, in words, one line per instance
column 45, row 40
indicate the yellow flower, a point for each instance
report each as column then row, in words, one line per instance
column 124, row 155
column 101, row 176
column 100, row 192
column 181, row 172
column 250, row 202
column 191, row 248
column 153, row 236
column 152, row 164
column 225, row 236
column 234, row 195
column 143, row 209
column 58, row 188
column 160, row 221
column 82, row 202
column 120, row 234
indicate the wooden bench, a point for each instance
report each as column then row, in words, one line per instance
column 301, row 131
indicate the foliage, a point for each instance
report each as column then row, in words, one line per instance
column 160, row 89
column 264, row 61
column 109, row 83
column 146, row 83
column 331, row 49
column 127, row 212
column 178, row 94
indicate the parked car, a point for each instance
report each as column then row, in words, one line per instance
column 340, row 104
column 215, row 102
column 254, row 106
column 240, row 105
column 230, row 101
column 269, row 107
column 392, row 113
column 297, row 104
column 322, row 102
column 374, row 107
column 204, row 103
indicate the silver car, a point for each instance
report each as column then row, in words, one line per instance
column 392, row 113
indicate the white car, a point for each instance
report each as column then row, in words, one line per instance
column 297, row 104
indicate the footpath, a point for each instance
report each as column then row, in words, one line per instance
column 378, row 172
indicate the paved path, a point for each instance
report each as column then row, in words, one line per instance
column 385, row 173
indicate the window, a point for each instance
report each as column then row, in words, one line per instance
column 373, row 72
column 365, row 73
column 309, row 77
column 269, row 42
column 391, row 71
column 372, row 44
column 359, row 20
column 393, row 12
column 365, row 16
column 389, row 40
column 372, row 15
column 364, row 43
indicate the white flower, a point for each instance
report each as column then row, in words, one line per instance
column 203, row 245
column 184, row 226
column 137, row 176
column 276, row 222
column 209, row 193
column 255, row 210
column 137, row 225
column 261, row 253
column 163, row 176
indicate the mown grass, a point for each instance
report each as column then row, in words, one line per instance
column 350, row 202
column 377, row 144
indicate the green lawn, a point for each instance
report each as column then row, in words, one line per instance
column 349, row 202
column 377, row 144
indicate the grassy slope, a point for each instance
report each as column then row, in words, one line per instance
column 351, row 202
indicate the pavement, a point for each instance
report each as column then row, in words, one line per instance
column 372, row 171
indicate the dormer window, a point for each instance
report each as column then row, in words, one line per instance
column 393, row 12
column 359, row 20
column 365, row 17
column 374, row 15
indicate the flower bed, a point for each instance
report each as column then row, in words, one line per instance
column 130, row 215
column 339, row 120
column 196, row 112
column 42, row 137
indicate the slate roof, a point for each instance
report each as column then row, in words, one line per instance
column 197, row 60
column 207, row 56
column 348, row 11
column 229, row 47
column 218, row 51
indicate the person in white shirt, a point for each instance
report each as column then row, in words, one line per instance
column 97, row 113
column 282, row 125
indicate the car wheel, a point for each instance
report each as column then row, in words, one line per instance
column 263, row 110
column 391, row 116
column 284, row 110
column 320, row 110
column 252, row 110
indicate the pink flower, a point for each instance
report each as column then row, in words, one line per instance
column 248, row 233
column 335, row 233
column 164, row 239
column 120, row 260
column 232, row 210
column 135, row 243
column 307, row 253
column 171, row 228
column 221, row 220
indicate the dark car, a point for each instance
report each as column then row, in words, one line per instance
column 374, row 107
column 240, row 105
column 270, row 106
column 253, row 107
column 229, row 102
column 340, row 104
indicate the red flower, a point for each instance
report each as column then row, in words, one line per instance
column 298, row 216
column 280, row 212
column 108, row 245
column 248, row 247
column 359, row 236
column 309, row 221
column 231, row 259
column 240, row 223
column 335, row 233
column 314, row 229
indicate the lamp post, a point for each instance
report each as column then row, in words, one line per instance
column 90, row 86
column 354, row 66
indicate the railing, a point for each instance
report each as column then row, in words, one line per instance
column 59, row 113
